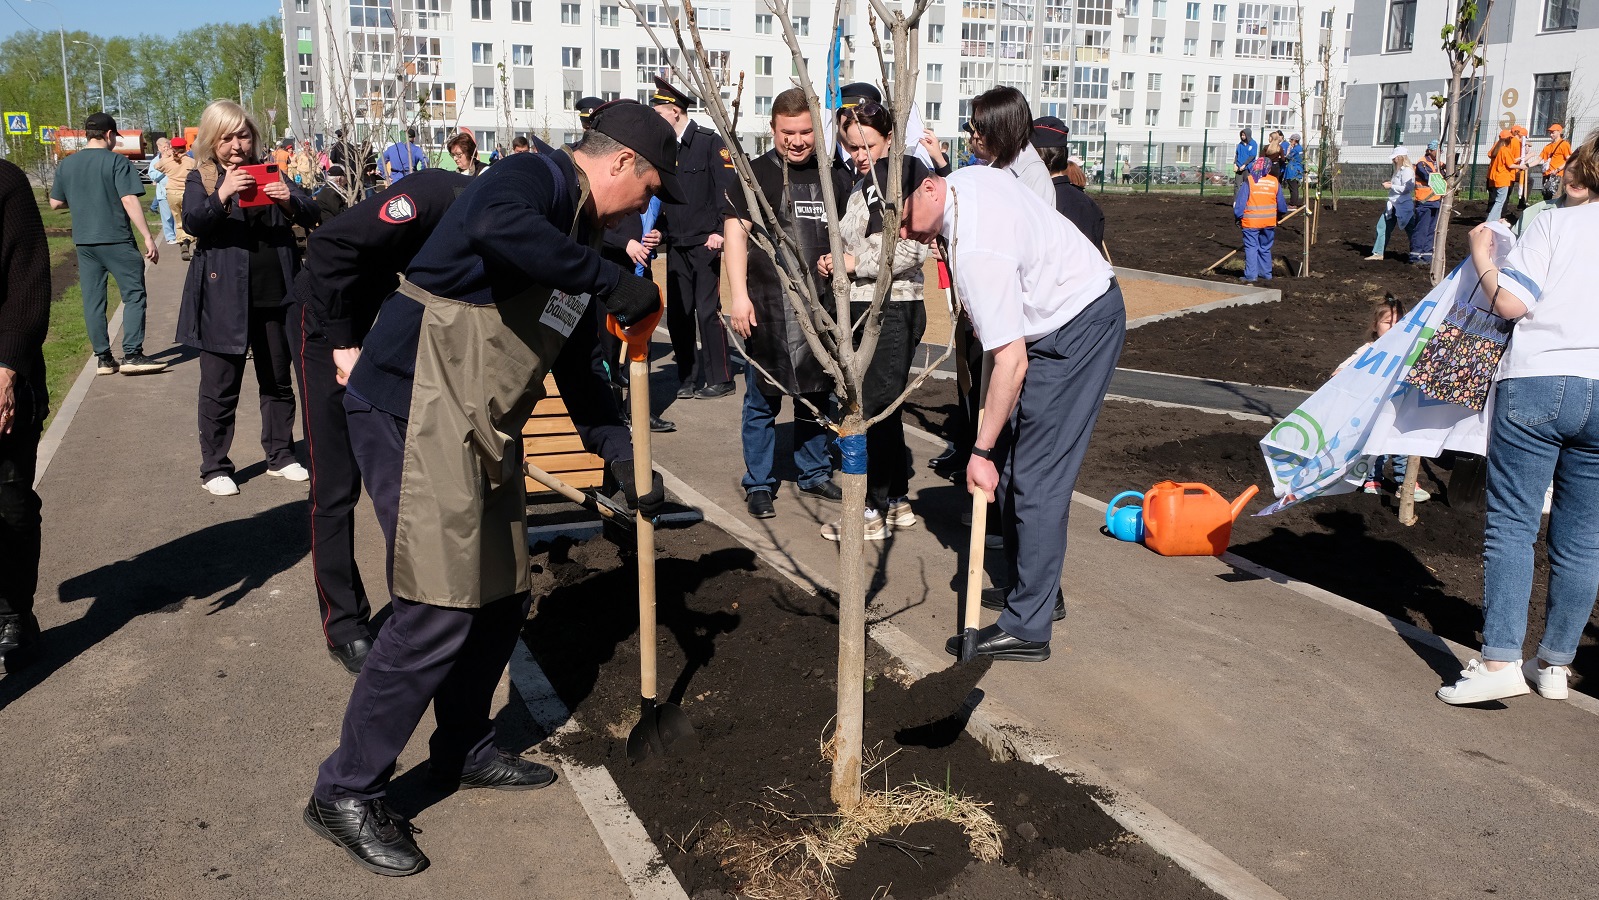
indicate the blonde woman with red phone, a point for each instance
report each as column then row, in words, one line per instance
column 235, row 298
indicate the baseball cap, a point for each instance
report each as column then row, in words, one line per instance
column 100, row 122
column 1432, row 145
column 179, row 143
column 1398, row 152
column 637, row 127
column 912, row 173
column 1557, row 127
column 1050, row 131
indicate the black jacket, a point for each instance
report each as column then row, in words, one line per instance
column 705, row 173
column 215, row 314
column 1080, row 209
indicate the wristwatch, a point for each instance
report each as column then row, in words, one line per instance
column 982, row 453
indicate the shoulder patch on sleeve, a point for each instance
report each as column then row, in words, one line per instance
column 398, row 209
column 727, row 158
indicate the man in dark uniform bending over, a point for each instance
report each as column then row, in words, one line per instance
column 437, row 400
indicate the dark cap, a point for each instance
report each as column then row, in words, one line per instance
column 853, row 93
column 100, row 122
column 641, row 130
column 586, row 107
column 1049, row 131
column 665, row 93
column 912, row 173
column 335, row 171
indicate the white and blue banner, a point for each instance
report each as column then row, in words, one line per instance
column 1329, row 444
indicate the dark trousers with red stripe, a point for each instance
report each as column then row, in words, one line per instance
column 335, row 484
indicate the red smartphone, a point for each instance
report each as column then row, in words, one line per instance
column 264, row 174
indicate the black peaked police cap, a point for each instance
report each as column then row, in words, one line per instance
column 640, row 129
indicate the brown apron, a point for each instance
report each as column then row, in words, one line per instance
column 460, row 539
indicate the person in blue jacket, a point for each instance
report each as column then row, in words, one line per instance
column 1294, row 171
column 1243, row 155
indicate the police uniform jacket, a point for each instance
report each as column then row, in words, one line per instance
column 705, row 172
column 215, row 312
column 353, row 262
column 1080, row 209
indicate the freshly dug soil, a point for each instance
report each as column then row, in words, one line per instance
column 751, row 660
column 1294, row 343
column 1429, row 574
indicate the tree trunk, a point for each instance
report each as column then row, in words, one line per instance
column 1440, row 239
column 848, row 727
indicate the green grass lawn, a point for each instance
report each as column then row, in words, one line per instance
column 66, row 344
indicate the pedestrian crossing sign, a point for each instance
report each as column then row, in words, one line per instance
column 18, row 123
column 47, row 134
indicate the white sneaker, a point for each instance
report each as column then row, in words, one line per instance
column 876, row 529
column 1478, row 685
column 291, row 472
column 1551, row 681
column 222, row 486
column 900, row 514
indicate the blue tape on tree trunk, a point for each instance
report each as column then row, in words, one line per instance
column 853, row 448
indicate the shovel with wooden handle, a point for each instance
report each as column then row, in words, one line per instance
column 978, row 540
column 662, row 728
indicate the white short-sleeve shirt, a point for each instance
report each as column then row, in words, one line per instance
column 1022, row 269
column 1554, row 269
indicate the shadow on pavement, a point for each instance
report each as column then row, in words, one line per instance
column 223, row 562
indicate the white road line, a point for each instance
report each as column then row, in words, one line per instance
column 1241, row 416
column 645, row 873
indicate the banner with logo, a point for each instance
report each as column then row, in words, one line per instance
column 1329, row 444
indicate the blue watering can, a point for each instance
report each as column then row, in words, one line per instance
column 1125, row 523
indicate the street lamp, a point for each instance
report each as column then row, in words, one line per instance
column 99, row 63
column 65, row 90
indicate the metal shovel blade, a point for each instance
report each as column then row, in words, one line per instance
column 968, row 645
column 663, row 729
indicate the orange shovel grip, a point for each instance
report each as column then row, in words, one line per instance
column 638, row 334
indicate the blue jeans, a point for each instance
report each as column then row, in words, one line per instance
column 1257, row 252
column 1497, row 208
column 169, row 226
column 1392, row 220
column 1543, row 428
column 760, row 438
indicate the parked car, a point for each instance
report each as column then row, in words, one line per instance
column 1155, row 175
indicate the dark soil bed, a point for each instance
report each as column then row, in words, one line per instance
column 1294, row 343
column 751, row 659
column 1429, row 574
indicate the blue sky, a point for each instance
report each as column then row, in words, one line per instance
column 112, row 18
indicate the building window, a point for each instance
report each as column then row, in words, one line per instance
column 763, row 23
column 305, row 60
column 715, row 18
column 1559, row 15
column 1218, row 12
column 1549, row 94
column 935, row 73
column 1190, row 46
column 763, row 65
column 1185, row 153
column 1185, row 118
column 571, row 13
column 1401, row 25
column 1214, row 84
column 483, row 97
column 1129, row 43
column 1124, row 116
column 1246, row 91
column 521, row 54
column 1157, row 45
column 1151, row 117
column 802, row 25
column 610, row 58
column 763, row 106
column 1188, row 84
column 302, row 6
column 569, row 99
column 1154, row 81
column 1132, row 8
column 1391, row 113
column 1327, row 19
column 307, row 87
column 1212, row 118
column 571, row 57
column 1191, row 12
column 521, row 10
column 935, row 33
column 1126, row 82
column 482, row 54
column 1159, row 11
column 522, row 98
column 303, row 33
column 482, row 10
column 610, row 16
column 933, row 111
column 1216, row 48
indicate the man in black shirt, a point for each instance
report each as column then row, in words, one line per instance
column 693, row 230
column 790, row 176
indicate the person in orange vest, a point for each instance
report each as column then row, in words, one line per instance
column 1554, row 157
column 1504, row 161
column 1257, row 204
column 1424, row 224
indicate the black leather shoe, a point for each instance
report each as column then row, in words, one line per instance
column 685, row 391
column 996, row 644
column 943, row 459
column 713, row 391
column 374, row 836
column 994, row 598
column 659, row 425
column 759, row 504
column 506, row 772
column 18, row 634
column 352, row 656
column 825, row 490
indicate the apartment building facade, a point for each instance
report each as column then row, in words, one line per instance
column 1533, row 75
column 1119, row 71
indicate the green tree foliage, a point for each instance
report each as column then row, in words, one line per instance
column 162, row 83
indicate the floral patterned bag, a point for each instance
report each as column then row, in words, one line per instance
column 1457, row 364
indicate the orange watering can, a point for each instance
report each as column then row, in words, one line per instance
column 1190, row 519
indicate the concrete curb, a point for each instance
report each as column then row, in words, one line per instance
column 51, row 441
column 1242, row 294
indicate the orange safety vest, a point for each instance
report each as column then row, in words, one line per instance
column 1424, row 192
column 1260, row 210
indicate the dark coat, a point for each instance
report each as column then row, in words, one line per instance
column 215, row 315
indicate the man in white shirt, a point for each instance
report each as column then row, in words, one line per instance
column 1046, row 307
